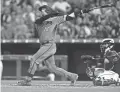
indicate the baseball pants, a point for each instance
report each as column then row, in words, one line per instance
column 46, row 54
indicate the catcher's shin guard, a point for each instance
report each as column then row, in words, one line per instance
column 101, row 83
column 105, row 82
column 117, row 82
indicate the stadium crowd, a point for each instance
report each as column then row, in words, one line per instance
column 18, row 16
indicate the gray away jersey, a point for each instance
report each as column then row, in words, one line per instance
column 47, row 30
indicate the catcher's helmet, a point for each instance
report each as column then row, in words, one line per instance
column 107, row 44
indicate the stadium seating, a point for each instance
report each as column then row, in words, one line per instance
column 17, row 20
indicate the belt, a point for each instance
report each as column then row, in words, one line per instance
column 45, row 42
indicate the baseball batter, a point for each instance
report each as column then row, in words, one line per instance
column 46, row 29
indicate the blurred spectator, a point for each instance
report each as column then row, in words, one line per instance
column 118, row 4
column 81, row 32
column 101, row 32
column 87, row 31
column 6, row 16
column 64, row 31
column 22, row 32
column 7, row 32
column 7, row 2
column 18, row 16
column 21, row 29
column 39, row 3
column 43, row 2
column 29, row 17
column 61, row 6
column 14, row 5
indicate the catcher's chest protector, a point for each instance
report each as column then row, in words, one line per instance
column 112, row 56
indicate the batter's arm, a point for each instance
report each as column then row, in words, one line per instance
column 35, row 31
column 64, row 18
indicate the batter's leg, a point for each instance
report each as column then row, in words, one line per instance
column 43, row 53
column 50, row 76
column 41, row 67
column 50, row 63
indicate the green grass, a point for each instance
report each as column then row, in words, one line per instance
column 57, row 86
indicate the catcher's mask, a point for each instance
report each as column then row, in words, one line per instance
column 107, row 44
column 47, row 9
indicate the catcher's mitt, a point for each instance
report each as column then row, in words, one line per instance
column 87, row 57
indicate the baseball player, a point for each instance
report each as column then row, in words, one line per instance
column 108, row 54
column 103, row 76
column 46, row 29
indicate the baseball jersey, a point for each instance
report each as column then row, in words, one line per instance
column 47, row 29
column 112, row 56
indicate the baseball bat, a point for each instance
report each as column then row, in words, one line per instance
column 102, row 6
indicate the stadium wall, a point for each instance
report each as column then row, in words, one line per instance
column 73, row 51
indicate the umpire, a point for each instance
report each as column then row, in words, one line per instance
column 46, row 29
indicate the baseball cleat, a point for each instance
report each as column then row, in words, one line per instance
column 73, row 79
column 24, row 83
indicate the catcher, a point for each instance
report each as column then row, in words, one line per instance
column 97, row 68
